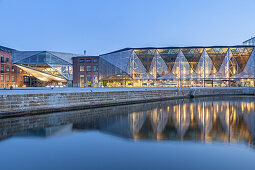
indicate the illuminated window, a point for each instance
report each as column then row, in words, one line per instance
column 89, row 79
column 81, row 80
column 70, row 70
column 13, row 78
column 2, row 77
column 81, row 68
column 95, row 79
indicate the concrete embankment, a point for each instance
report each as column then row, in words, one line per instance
column 21, row 102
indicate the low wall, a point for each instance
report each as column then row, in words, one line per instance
column 20, row 104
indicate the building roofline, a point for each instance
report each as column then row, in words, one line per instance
column 85, row 56
column 47, row 51
column 6, row 49
column 145, row 48
column 249, row 39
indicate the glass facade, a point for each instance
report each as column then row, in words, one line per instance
column 175, row 67
column 53, row 68
column 250, row 41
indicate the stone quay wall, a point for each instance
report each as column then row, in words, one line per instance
column 21, row 104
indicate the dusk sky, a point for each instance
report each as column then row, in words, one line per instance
column 102, row 26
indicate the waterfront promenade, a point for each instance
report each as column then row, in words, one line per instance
column 24, row 101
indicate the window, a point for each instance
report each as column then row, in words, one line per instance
column 7, row 68
column 88, row 68
column 70, row 70
column 2, row 77
column 94, row 60
column 7, row 58
column 94, row 68
column 81, row 68
column 95, row 79
column 20, row 79
column 81, row 60
column 2, row 58
column 89, row 79
column 7, row 78
column 12, row 68
column 2, row 67
column 81, row 80
column 26, row 79
column 88, row 60
column 13, row 78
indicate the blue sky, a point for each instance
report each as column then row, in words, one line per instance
column 101, row 26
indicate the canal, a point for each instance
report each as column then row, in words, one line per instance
column 201, row 133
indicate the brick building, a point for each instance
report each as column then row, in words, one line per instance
column 10, row 75
column 85, row 71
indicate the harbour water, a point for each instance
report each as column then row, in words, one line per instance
column 203, row 133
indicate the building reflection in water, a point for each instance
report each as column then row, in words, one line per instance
column 203, row 120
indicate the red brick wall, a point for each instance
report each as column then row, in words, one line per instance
column 77, row 72
column 13, row 71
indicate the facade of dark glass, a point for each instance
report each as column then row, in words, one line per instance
column 178, row 66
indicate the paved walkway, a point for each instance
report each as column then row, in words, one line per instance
column 42, row 90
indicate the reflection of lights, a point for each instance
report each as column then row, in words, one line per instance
column 231, row 125
column 191, row 109
column 192, row 117
column 214, row 117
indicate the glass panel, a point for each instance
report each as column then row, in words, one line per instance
column 111, row 73
column 51, row 59
column 117, row 59
column 135, row 67
column 169, row 56
column 241, row 56
column 224, row 71
column 181, row 67
column 204, row 66
column 38, row 58
column 158, row 66
column 249, row 69
column 192, row 55
column 146, row 57
column 217, row 56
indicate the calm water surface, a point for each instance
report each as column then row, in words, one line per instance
column 205, row 133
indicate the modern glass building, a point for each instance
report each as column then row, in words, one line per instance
column 46, row 67
column 250, row 41
column 178, row 66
